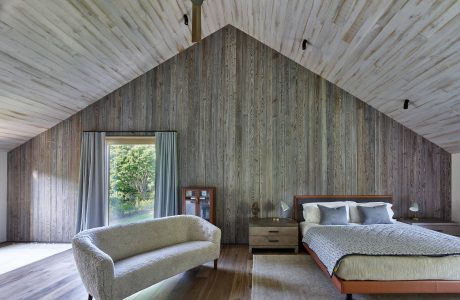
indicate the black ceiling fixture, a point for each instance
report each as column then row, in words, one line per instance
column 406, row 104
column 304, row 44
column 185, row 19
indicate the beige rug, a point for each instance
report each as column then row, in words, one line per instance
column 18, row 255
column 298, row 277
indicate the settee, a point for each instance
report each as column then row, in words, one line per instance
column 117, row 261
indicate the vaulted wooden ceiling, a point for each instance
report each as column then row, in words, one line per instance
column 57, row 57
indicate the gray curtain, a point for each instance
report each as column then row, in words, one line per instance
column 92, row 197
column 166, row 186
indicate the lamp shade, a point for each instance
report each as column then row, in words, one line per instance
column 284, row 206
column 414, row 207
column 284, row 210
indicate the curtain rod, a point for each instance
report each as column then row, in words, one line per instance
column 132, row 131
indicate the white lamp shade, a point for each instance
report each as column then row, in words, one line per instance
column 284, row 206
column 414, row 207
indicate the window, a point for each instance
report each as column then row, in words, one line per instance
column 131, row 178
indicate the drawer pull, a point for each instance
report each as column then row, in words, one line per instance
column 273, row 231
column 273, row 241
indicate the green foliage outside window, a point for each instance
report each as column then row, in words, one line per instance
column 131, row 181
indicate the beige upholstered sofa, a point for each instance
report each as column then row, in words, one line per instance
column 117, row 261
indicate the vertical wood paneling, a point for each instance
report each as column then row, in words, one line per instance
column 252, row 123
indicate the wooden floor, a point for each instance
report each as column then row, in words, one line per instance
column 56, row 277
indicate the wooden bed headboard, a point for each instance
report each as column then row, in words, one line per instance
column 299, row 200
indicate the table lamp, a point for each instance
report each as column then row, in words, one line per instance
column 284, row 210
column 415, row 209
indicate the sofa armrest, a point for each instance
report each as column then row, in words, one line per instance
column 96, row 268
column 208, row 232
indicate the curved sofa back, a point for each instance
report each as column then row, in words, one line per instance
column 121, row 241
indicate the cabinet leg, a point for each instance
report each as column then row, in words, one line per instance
column 215, row 264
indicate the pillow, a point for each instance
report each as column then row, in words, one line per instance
column 333, row 215
column 374, row 214
column 354, row 213
column 311, row 211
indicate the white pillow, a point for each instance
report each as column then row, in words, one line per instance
column 354, row 213
column 311, row 212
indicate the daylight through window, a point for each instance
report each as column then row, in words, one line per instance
column 131, row 179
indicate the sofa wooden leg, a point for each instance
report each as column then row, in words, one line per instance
column 90, row 297
column 215, row 264
column 349, row 297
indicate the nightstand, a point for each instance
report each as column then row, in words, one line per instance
column 451, row 228
column 273, row 233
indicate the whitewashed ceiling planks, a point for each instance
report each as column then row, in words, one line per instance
column 57, row 57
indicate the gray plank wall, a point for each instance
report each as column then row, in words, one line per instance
column 252, row 123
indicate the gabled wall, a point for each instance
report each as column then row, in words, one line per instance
column 252, row 123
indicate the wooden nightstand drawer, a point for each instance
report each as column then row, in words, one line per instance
column 261, row 240
column 273, row 231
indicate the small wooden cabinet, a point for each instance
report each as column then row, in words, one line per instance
column 273, row 233
column 199, row 201
column 451, row 228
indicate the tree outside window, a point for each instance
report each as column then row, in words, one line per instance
column 131, row 182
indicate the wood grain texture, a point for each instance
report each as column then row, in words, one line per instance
column 56, row 277
column 252, row 123
column 57, row 58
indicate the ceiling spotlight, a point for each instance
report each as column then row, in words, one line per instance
column 185, row 19
column 304, row 44
column 406, row 104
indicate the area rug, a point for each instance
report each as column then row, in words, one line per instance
column 18, row 255
column 289, row 277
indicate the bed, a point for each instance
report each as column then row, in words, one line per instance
column 374, row 281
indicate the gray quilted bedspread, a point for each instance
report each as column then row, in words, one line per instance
column 333, row 243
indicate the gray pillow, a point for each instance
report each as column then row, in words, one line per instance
column 333, row 215
column 374, row 214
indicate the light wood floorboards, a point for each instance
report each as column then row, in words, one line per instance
column 56, row 277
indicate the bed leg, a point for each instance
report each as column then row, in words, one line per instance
column 349, row 297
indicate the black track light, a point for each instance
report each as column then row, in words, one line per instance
column 304, row 44
column 406, row 104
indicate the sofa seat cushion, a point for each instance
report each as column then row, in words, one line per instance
column 145, row 269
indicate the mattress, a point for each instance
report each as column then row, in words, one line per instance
column 363, row 267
